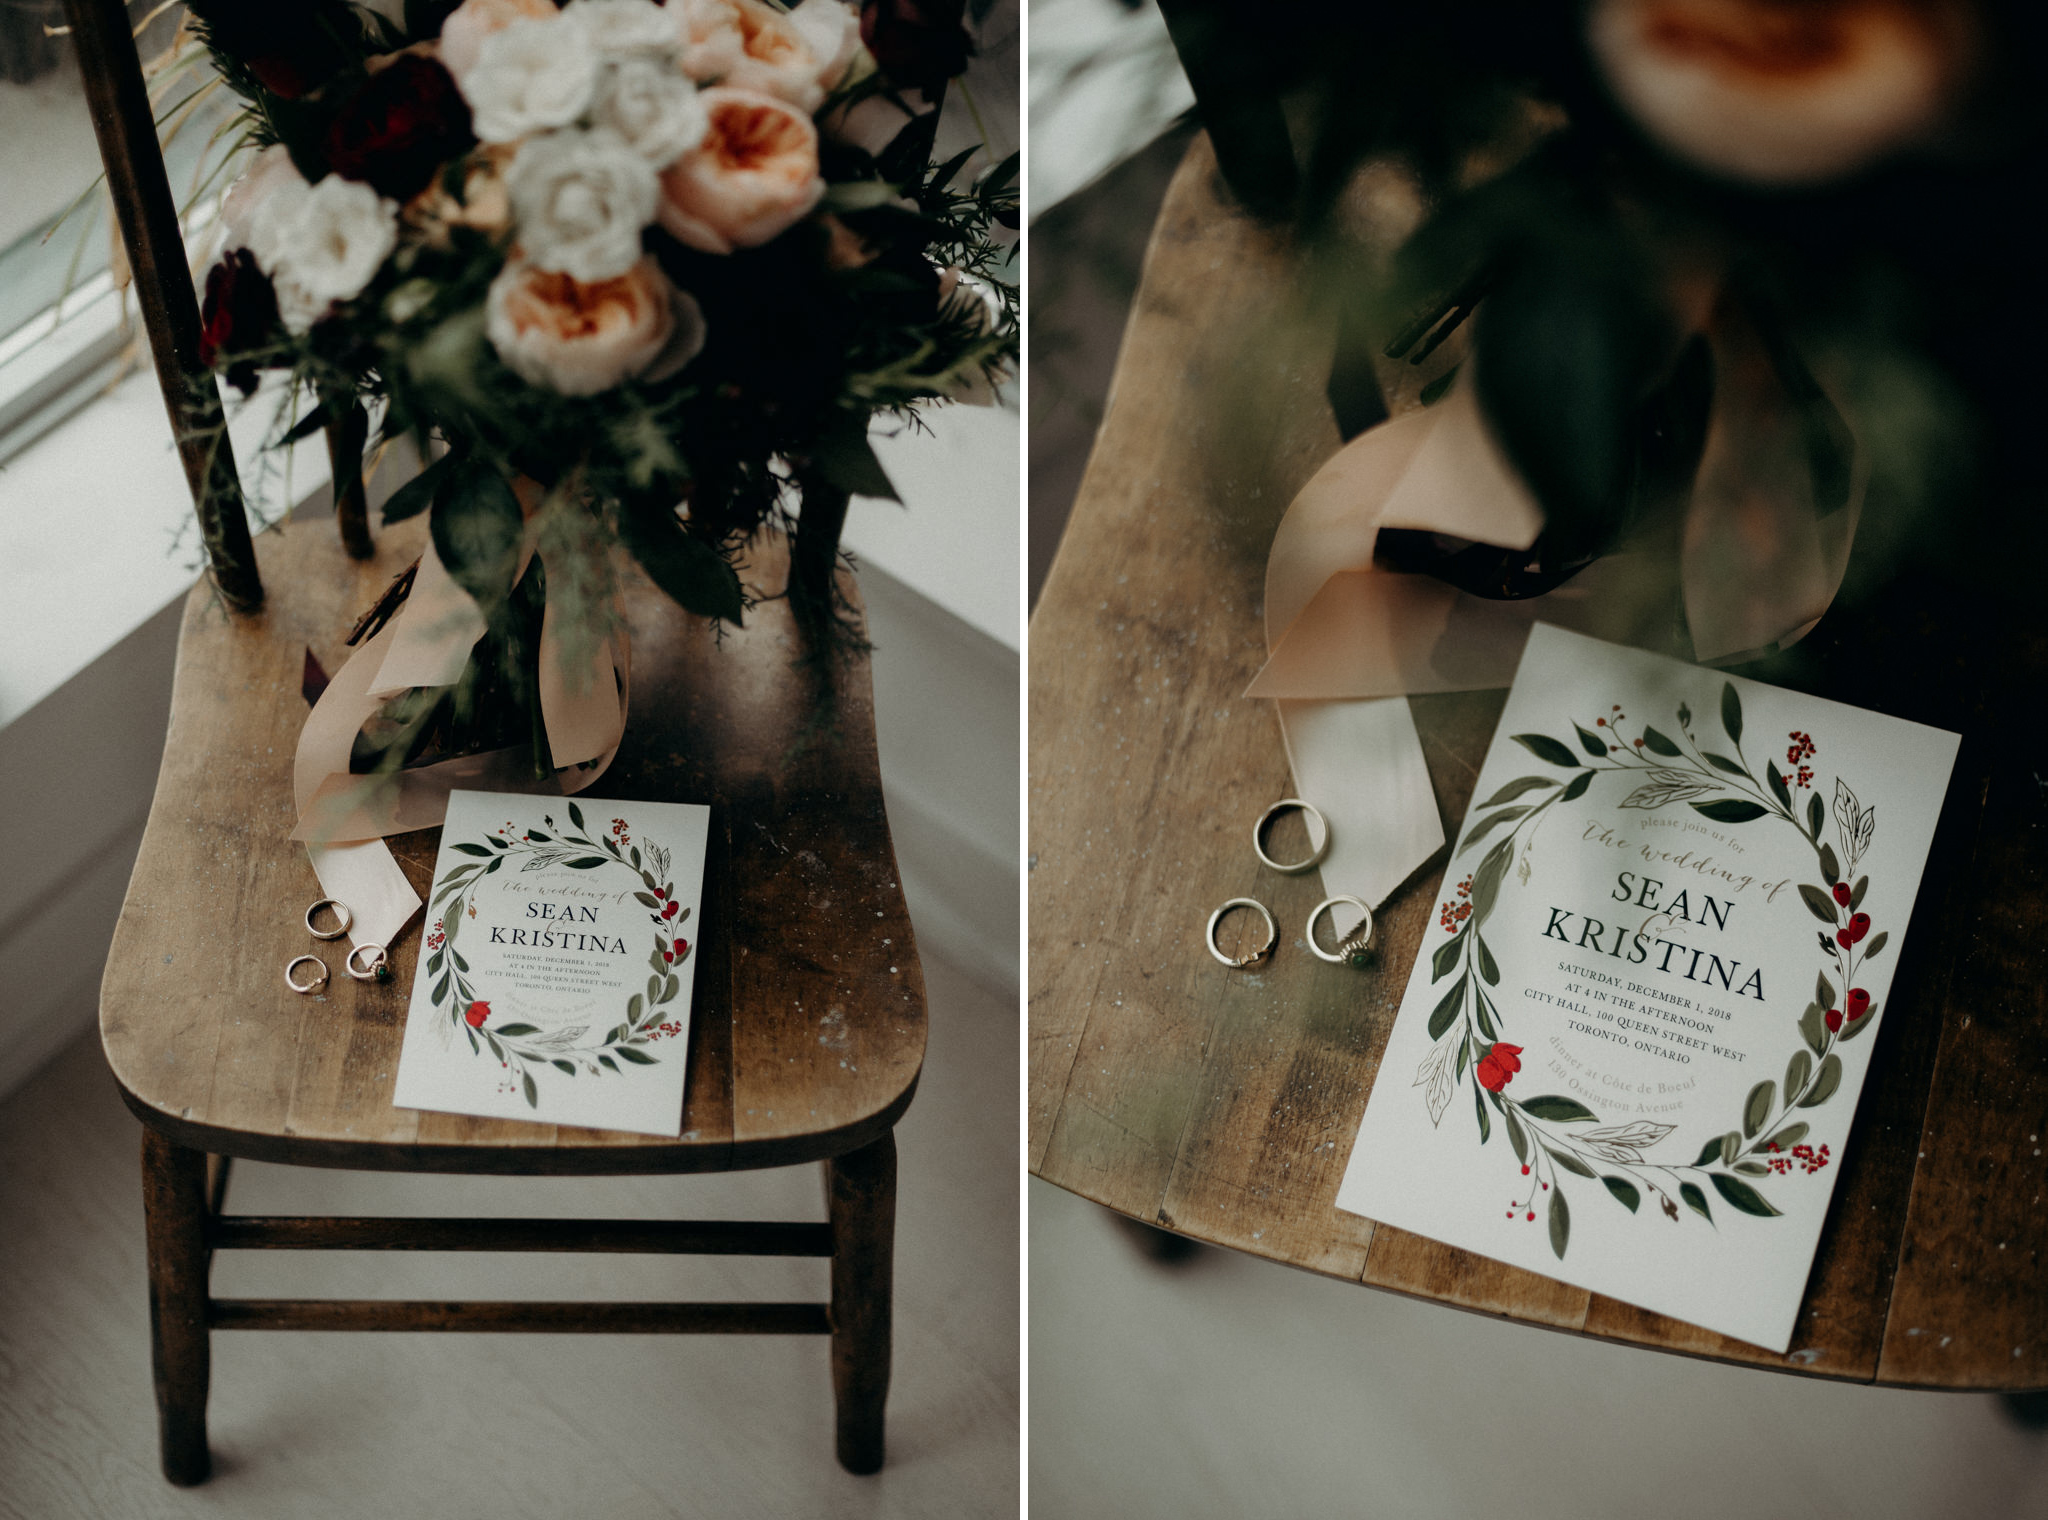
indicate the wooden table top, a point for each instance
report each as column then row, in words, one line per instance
column 1222, row 1104
column 808, row 1028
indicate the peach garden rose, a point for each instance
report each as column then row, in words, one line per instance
column 754, row 176
column 579, row 339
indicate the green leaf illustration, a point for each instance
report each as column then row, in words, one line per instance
column 1731, row 1147
column 1488, row 968
column 1710, row 1152
column 512, row 1029
column 1877, row 943
column 472, row 849
column 584, row 862
column 434, row 964
column 637, row 1057
column 1856, row 1026
column 1576, row 787
column 1592, row 744
column 1797, row 1070
column 1856, row 894
column 1730, row 810
column 647, row 900
column 1515, row 789
column 1479, row 1107
column 1624, row 1190
column 1447, row 1010
column 1546, row 749
column 1741, row 1195
column 1824, row 991
column 1695, row 1200
column 1517, row 1137
column 1445, row 958
column 576, row 815
column 1488, row 824
column 1559, row 1110
column 1788, row 1137
column 1829, row 866
column 1822, row 905
column 532, row 1092
column 1464, row 1050
column 1752, row 1169
column 608, row 1063
column 1486, row 880
column 1777, row 784
column 1816, row 815
column 1659, row 743
column 1485, row 1011
column 1731, row 711
column 633, row 1007
column 1824, row 1084
column 1570, row 1162
column 1723, row 763
column 1812, row 1027
column 1757, row 1107
column 1560, row 1222
column 565, row 1066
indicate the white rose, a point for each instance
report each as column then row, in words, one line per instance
column 968, row 299
column 463, row 33
column 270, row 171
column 620, row 28
column 321, row 245
column 579, row 339
column 746, row 45
column 832, row 32
column 580, row 200
column 529, row 77
column 654, row 108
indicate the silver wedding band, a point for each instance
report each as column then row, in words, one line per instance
column 1239, row 962
column 1317, row 824
column 1356, row 943
column 343, row 919
column 315, row 984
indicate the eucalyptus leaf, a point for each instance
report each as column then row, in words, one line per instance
column 1730, row 810
column 1515, row 789
column 1877, row 943
column 1592, row 744
column 1570, row 1162
column 1856, row 894
column 1741, row 1195
column 1625, row 1191
column 1819, row 903
column 1560, row 1222
column 1830, row 867
column 1488, row 824
column 1487, row 967
column 1547, row 749
column 1731, row 711
column 1518, row 1137
column 1447, row 1010
column 1825, row 1083
column 1659, row 743
column 1777, row 784
column 1756, row 1109
column 1695, row 1200
column 1797, row 1070
column 1576, row 787
column 1557, row 1109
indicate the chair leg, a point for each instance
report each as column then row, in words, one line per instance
column 174, row 1211
column 860, row 1190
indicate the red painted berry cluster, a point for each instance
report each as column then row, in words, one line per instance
column 1452, row 914
column 439, row 934
column 1800, row 749
column 1609, row 723
column 619, row 831
column 1858, row 1006
column 665, row 1031
column 1805, row 1157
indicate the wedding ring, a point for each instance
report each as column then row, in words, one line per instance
column 1317, row 823
column 318, row 981
column 342, row 917
column 1352, row 947
column 1239, row 962
column 376, row 963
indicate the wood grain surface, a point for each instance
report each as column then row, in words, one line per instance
column 808, row 1028
column 1222, row 1104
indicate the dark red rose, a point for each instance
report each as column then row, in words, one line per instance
column 238, row 316
column 920, row 44
column 1859, row 1003
column 292, row 48
column 1498, row 1066
column 1842, row 893
column 399, row 127
column 478, row 1012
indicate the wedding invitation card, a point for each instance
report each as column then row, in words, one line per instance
column 555, row 978
column 1634, row 1037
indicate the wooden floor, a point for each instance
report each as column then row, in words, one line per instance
column 513, row 1426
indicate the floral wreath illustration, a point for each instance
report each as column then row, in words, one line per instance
column 1544, row 1130
column 566, row 1049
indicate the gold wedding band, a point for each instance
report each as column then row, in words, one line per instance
column 1239, row 962
column 314, row 985
column 1352, row 947
column 376, row 961
column 342, row 917
column 1318, row 848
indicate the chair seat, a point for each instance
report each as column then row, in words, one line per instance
column 808, row 1028
column 1223, row 1106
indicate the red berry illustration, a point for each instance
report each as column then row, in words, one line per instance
column 670, row 911
column 1859, row 1003
column 478, row 1012
column 682, row 947
column 1842, row 893
column 1859, row 926
column 668, row 955
column 1844, row 938
column 1834, row 1020
column 1532, row 1213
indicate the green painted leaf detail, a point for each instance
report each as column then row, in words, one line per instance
column 1812, row 1028
column 417, row 494
column 1819, row 903
column 565, row 1066
column 637, row 1057
column 1828, row 1079
column 512, row 1029
column 1877, row 943
column 456, row 956
column 1731, row 1147
column 647, row 900
column 1854, row 1027
column 1487, row 967
column 1710, row 1152
column 1695, row 1200
column 633, row 1006
column 1464, row 1050
column 576, row 815
column 1731, row 711
column 1557, row 1109
column 1484, row 1009
column 1824, row 992
column 1788, row 1137
column 1487, row 879
column 1546, row 749
column 434, row 964
column 1741, row 1195
column 607, row 1063
column 1515, row 789
column 538, row 837
column 1856, row 895
column 1756, row 1109
column 1576, row 788
column 441, row 988
column 1560, row 1222
column 670, row 988
column 1829, row 866
column 1479, row 1107
column 474, row 1049
column 1723, row 763
column 1625, row 1191
column 1518, row 1137
column 1752, row 1169
column 1570, row 1162
column 1659, row 743
column 1445, row 958
column 1447, row 1010
column 1816, row 815
column 1797, row 1070
column 471, row 849
column 584, row 862
column 1488, row 824
column 532, row 1092
column 1592, row 744
column 1730, row 810
column 1777, row 784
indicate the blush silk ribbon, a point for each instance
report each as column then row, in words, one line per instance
column 1754, row 562
column 343, row 818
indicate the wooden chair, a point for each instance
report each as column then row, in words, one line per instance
column 1222, row 1106
column 809, row 1020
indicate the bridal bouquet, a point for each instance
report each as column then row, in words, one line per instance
column 629, row 273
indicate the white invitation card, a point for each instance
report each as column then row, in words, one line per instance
column 554, row 982
column 1632, row 1044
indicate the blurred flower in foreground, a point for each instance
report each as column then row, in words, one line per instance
column 1783, row 92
